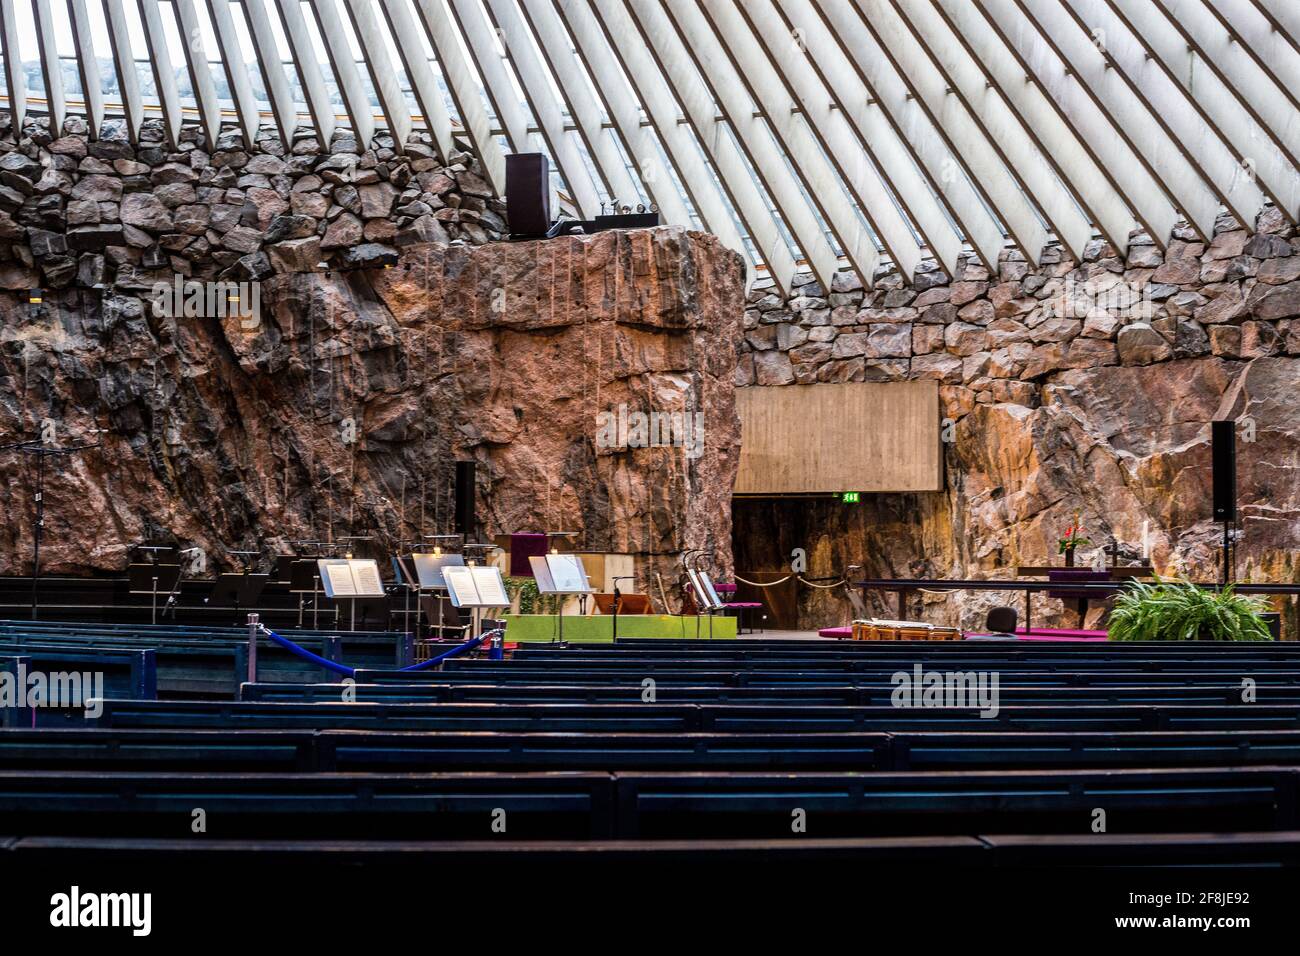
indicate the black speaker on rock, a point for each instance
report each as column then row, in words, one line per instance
column 528, row 194
column 465, row 498
column 1223, row 444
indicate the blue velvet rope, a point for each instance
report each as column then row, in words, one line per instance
column 475, row 642
column 346, row 671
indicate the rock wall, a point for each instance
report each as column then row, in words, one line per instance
column 76, row 211
column 1067, row 388
column 341, row 405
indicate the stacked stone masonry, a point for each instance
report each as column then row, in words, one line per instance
column 102, row 212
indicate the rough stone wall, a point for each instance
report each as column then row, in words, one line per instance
column 341, row 408
column 81, row 212
column 1071, row 387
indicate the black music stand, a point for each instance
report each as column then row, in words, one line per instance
column 304, row 579
column 283, row 564
column 367, row 609
column 151, row 579
column 237, row 590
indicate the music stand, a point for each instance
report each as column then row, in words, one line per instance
column 304, row 579
column 706, row 597
column 429, row 575
column 351, row 579
column 240, row 589
column 404, row 577
column 477, row 588
column 560, row 574
column 370, row 609
column 283, row 564
column 150, row 579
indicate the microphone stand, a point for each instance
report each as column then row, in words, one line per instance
column 171, row 602
column 618, row 599
column 38, row 448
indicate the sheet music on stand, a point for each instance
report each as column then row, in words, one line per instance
column 560, row 574
column 475, row 587
column 706, row 596
column 429, row 578
column 429, row 569
column 714, row 602
column 351, row 579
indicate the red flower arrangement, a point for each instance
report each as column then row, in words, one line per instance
column 1074, row 537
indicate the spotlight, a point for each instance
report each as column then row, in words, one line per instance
column 35, row 298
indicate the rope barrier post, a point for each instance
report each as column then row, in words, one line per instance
column 254, row 625
column 496, row 651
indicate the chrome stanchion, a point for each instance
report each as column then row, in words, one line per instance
column 254, row 625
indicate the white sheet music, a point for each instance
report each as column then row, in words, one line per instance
column 542, row 574
column 365, row 575
column 347, row 578
column 710, row 592
column 568, row 574
column 491, row 589
column 460, row 586
column 337, row 578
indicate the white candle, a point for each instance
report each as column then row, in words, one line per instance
column 1146, row 545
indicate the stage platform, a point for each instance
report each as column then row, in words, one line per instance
column 599, row 628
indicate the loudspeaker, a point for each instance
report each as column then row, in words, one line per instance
column 1223, row 443
column 465, row 498
column 528, row 193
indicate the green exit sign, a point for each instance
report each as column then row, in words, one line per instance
column 851, row 497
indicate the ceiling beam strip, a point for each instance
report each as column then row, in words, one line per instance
column 1111, row 93
column 793, row 63
column 914, row 127
column 1003, row 132
column 160, row 62
column 1057, row 141
column 1250, row 144
column 401, row 24
column 602, row 143
column 87, row 66
column 464, row 91
column 128, row 84
column 1108, row 39
column 306, row 62
column 825, row 185
column 535, row 82
column 1256, row 88
column 966, row 140
column 236, row 71
column 47, row 44
column 681, row 55
column 392, row 101
column 343, row 63
column 1095, row 128
column 196, row 62
column 272, row 66
column 488, row 57
column 1268, row 32
column 593, row 25
column 851, row 98
column 15, row 78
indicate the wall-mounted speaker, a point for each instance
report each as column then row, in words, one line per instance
column 1223, row 445
column 528, row 194
column 465, row 499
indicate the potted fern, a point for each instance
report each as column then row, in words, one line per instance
column 1181, row 611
